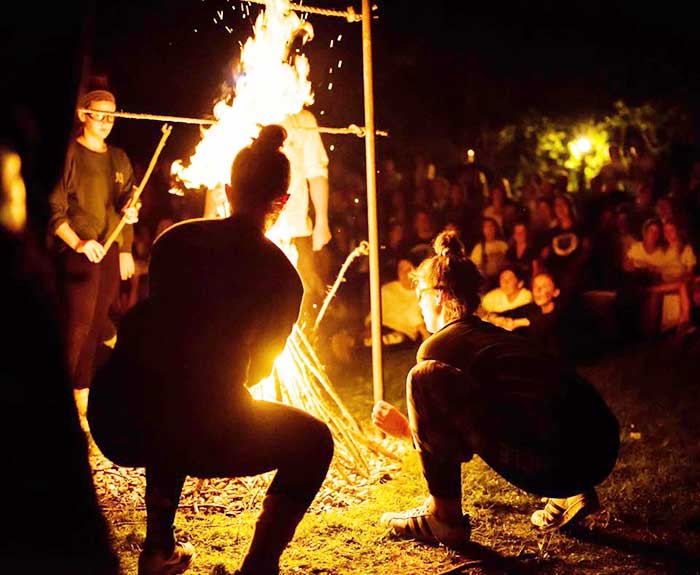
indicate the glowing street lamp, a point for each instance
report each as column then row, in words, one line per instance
column 580, row 147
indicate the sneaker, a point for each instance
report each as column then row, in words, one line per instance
column 155, row 563
column 421, row 524
column 559, row 512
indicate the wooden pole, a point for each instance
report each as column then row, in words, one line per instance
column 166, row 129
column 374, row 279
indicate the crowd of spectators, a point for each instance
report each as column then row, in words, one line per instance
column 618, row 256
column 615, row 258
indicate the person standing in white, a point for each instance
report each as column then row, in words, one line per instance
column 308, row 181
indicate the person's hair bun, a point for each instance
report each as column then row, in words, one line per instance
column 448, row 244
column 271, row 138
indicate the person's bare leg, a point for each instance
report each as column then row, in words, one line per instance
column 274, row 530
column 446, row 509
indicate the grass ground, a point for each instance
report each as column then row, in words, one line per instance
column 650, row 524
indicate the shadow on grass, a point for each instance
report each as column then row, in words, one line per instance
column 474, row 555
column 675, row 556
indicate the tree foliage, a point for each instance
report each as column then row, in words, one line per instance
column 538, row 144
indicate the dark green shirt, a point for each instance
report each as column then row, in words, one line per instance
column 91, row 193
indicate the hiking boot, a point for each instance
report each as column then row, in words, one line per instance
column 559, row 512
column 156, row 563
column 422, row 525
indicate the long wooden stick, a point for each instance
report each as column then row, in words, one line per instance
column 372, row 226
column 166, row 129
column 361, row 250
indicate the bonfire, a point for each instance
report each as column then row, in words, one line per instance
column 271, row 85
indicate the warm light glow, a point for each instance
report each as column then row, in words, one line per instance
column 13, row 194
column 267, row 90
column 580, row 146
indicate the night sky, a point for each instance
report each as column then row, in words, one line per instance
column 442, row 69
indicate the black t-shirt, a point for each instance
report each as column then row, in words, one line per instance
column 223, row 301
column 518, row 397
column 91, row 192
column 544, row 328
column 496, row 361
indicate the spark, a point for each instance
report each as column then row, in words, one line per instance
column 340, row 63
column 330, row 85
column 331, row 45
column 332, row 147
column 220, row 14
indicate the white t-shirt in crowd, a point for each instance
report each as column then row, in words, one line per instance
column 400, row 309
column 495, row 253
column 677, row 263
column 496, row 301
column 642, row 260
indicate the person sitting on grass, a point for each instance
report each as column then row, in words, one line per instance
column 539, row 320
column 478, row 389
column 401, row 316
column 510, row 293
column 489, row 253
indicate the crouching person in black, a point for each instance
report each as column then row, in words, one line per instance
column 478, row 389
column 172, row 397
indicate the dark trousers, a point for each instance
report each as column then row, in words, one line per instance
column 262, row 436
column 553, row 447
column 87, row 292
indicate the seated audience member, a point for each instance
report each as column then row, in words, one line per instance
column 642, row 264
column 677, row 268
column 172, row 398
column 439, row 198
column 542, row 222
column 497, row 207
column 665, row 209
column 400, row 311
column 679, row 257
column 392, row 248
column 567, row 249
column 424, row 230
column 646, row 257
column 522, row 254
column 643, row 208
column 489, row 253
column 477, row 389
column 457, row 211
column 509, row 294
column 613, row 174
column 540, row 320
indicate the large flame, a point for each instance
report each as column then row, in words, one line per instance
column 268, row 89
